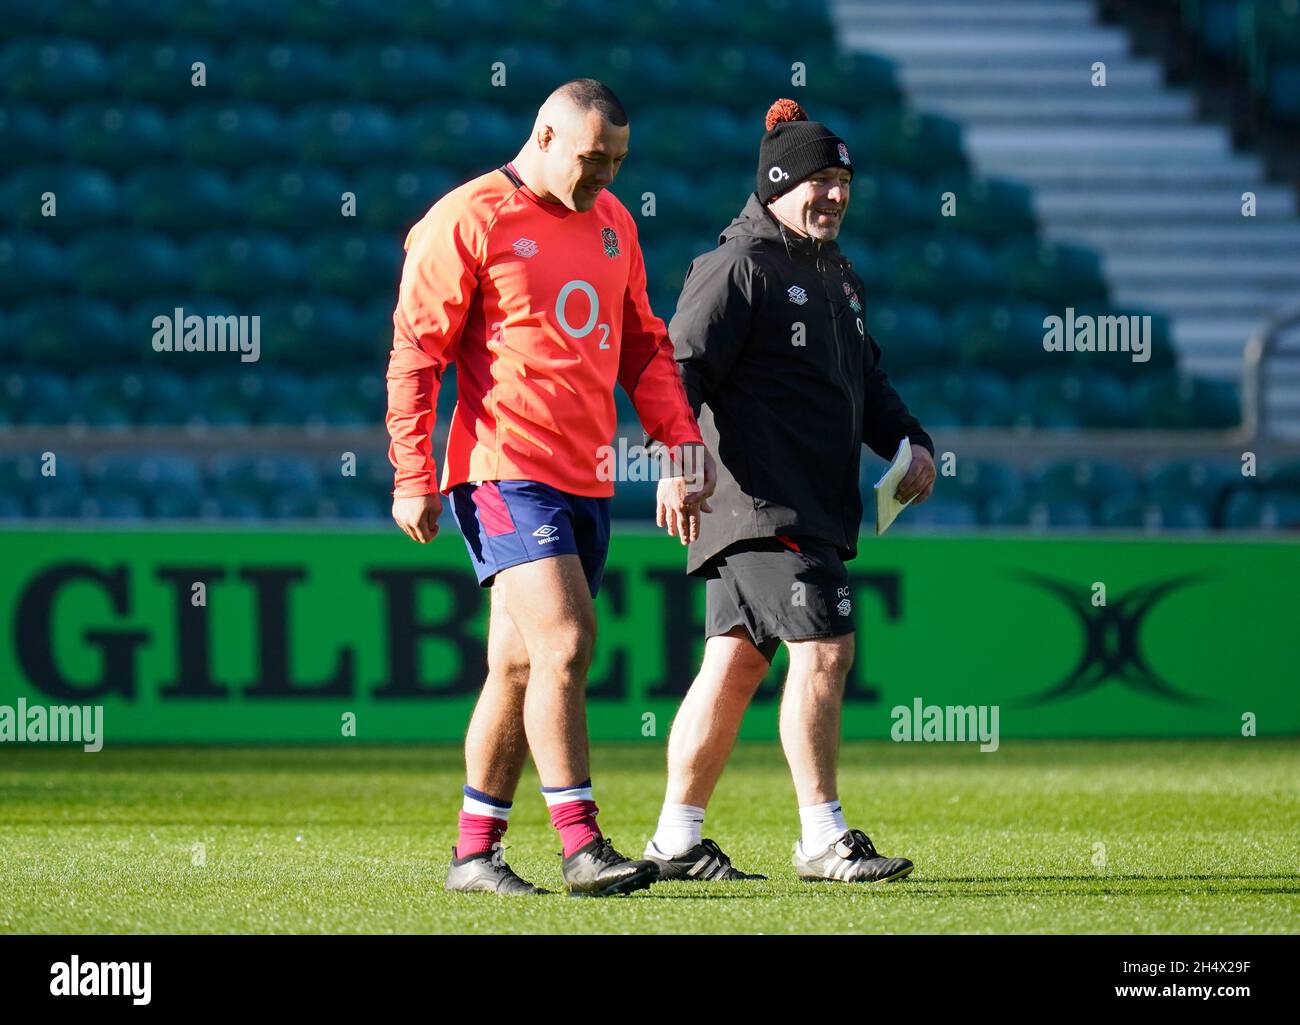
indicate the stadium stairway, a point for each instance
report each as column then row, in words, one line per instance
column 1127, row 168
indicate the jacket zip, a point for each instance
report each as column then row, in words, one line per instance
column 840, row 356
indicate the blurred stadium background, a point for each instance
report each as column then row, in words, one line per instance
column 226, row 199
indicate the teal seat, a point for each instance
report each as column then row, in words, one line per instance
column 27, row 135
column 1002, row 336
column 301, row 197
column 86, row 198
column 1179, row 402
column 179, row 199
column 72, row 331
column 125, row 265
column 466, row 140
column 232, row 135
column 285, row 72
column 981, row 481
column 346, row 135
column 1055, row 274
column 228, row 21
column 912, row 336
column 884, row 204
column 241, row 265
column 354, row 264
column 117, row 136
column 394, row 199
column 920, row 143
column 31, row 266
column 1188, row 481
column 1086, row 481
column 162, row 72
column 53, row 72
column 992, row 209
column 398, row 72
column 941, row 270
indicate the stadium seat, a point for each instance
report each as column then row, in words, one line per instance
column 27, row 135
column 162, row 72
column 917, row 142
column 1152, row 517
column 31, row 266
column 1084, row 481
column 263, row 477
column 232, row 135
column 503, row 73
column 1181, row 402
column 179, row 199
column 285, row 73
column 398, row 72
column 990, row 209
column 1251, row 510
column 940, row 512
column 981, row 482
column 117, row 135
column 126, row 265
column 1054, row 274
column 85, row 198
column 241, row 265
column 393, row 200
column 941, row 270
column 35, row 397
column 1191, row 481
column 912, row 336
column 466, row 140
column 1002, row 336
column 292, row 197
column 70, row 331
column 346, row 135
column 888, row 203
column 354, row 264
column 309, row 331
column 53, row 71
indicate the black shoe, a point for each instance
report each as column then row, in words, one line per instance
column 850, row 859
column 703, row 861
column 597, row 870
column 487, row 872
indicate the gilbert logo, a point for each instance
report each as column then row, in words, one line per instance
column 525, row 247
column 546, row 533
column 102, row 979
column 797, row 295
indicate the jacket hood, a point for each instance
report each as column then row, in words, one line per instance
column 754, row 221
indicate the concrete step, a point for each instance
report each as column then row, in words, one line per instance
column 1011, row 79
column 1179, row 144
column 1061, row 108
column 1150, row 206
column 921, row 43
column 1251, row 237
column 1252, row 305
column 955, row 17
column 1281, row 271
column 1239, row 174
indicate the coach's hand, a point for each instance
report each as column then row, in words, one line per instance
column 418, row 516
column 681, row 499
column 918, row 482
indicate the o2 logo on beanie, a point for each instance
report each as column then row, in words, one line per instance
column 844, row 154
column 777, row 175
column 610, row 241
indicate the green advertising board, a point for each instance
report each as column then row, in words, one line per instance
column 293, row 634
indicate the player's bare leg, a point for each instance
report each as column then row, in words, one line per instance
column 708, row 721
column 550, row 603
column 703, row 735
column 810, row 714
column 495, row 752
column 810, row 736
column 495, row 745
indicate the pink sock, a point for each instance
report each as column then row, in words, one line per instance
column 483, row 821
column 573, row 813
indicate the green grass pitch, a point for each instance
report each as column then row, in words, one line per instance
column 1145, row 837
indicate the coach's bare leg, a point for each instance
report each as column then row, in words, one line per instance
column 495, row 745
column 810, row 714
column 550, row 605
column 708, row 721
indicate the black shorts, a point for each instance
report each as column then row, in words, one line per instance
column 779, row 589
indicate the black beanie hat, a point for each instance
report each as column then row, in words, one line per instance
column 794, row 148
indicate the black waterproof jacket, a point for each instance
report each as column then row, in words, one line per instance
column 785, row 380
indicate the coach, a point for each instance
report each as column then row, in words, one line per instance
column 771, row 341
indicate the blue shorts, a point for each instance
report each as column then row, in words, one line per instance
column 510, row 522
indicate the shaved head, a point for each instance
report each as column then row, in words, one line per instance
column 578, row 143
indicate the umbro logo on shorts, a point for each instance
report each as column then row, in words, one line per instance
column 525, row 247
column 797, row 295
column 547, row 533
column 844, row 607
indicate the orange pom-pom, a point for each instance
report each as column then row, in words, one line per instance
column 784, row 110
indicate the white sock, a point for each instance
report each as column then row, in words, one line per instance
column 822, row 825
column 679, row 829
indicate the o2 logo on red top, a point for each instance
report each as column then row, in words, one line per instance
column 561, row 312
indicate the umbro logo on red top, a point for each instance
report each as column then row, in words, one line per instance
column 525, row 247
